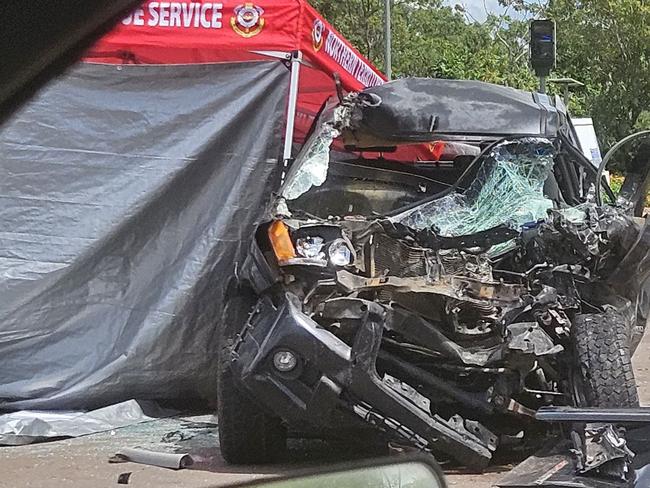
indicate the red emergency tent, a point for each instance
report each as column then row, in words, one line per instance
column 189, row 32
column 145, row 185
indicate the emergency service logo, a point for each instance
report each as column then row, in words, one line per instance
column 317, row 36
column 248, row 20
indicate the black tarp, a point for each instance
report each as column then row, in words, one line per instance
column 127, row 196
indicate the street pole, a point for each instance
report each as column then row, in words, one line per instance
column 387, row 41
column 567, row 95
column 542, row 84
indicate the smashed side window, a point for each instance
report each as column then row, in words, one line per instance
column 313, row 168
column 508, row 189
column 311, row 165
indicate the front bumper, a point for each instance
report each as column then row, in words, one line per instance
column 332, row 375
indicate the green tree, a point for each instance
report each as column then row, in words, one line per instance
column 606, row 45
column 431, row 39
column 360, row 21
column 603, row 43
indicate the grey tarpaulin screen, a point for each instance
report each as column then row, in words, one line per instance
column 127, row 194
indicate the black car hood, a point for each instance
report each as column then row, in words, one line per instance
column 423, row 109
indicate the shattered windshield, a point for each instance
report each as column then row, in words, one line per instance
column 508, row 189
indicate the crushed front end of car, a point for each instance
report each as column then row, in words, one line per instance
column 443, row 314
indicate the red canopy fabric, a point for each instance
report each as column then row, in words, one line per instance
column 191, row 32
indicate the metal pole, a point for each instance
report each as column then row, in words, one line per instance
column 542, row 84
column 387, row 41
column 567, row 95
column 296, row 58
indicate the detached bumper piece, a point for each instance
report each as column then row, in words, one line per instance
column 600, row 454
column 303, row 373
column 554, row 469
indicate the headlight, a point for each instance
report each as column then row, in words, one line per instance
column 340, row 253
column 310, row 247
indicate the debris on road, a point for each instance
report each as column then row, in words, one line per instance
column 29, row 426
column 151, row 458
column 123, row 478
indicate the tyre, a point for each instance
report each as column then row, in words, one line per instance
column 603, row 375
column 247, row 433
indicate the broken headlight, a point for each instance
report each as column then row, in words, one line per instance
column 340, row 253
column 310, row 247
column 318, row 245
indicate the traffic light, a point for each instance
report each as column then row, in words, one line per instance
column 542, row 46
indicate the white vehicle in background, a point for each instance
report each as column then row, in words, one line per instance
column 587, row 138
column 588, row 141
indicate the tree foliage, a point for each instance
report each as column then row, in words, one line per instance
column 602, row 43
column 431, row 39
column 605, row 44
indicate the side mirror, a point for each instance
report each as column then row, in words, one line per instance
column 630, row 188
column 397, row 472
column 637, row 179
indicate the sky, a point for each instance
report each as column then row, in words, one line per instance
column 477, row 8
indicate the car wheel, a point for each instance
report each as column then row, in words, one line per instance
column 247, row 433
column 603, row 375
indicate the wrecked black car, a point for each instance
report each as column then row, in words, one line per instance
column 438, row 303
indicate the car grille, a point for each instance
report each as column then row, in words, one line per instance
column 396, row 258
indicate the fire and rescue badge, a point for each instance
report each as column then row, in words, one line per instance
column 247, row 20
column 317, row 34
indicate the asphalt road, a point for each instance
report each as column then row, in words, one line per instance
column 83, row 462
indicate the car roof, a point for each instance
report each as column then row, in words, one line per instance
column 425, row 109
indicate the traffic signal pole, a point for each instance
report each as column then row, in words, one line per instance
column 542, row 49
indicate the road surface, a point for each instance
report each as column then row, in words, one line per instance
column 83, row 462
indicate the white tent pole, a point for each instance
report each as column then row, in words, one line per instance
column 296, row 59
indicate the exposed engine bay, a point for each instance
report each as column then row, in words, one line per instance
column 444, row 312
